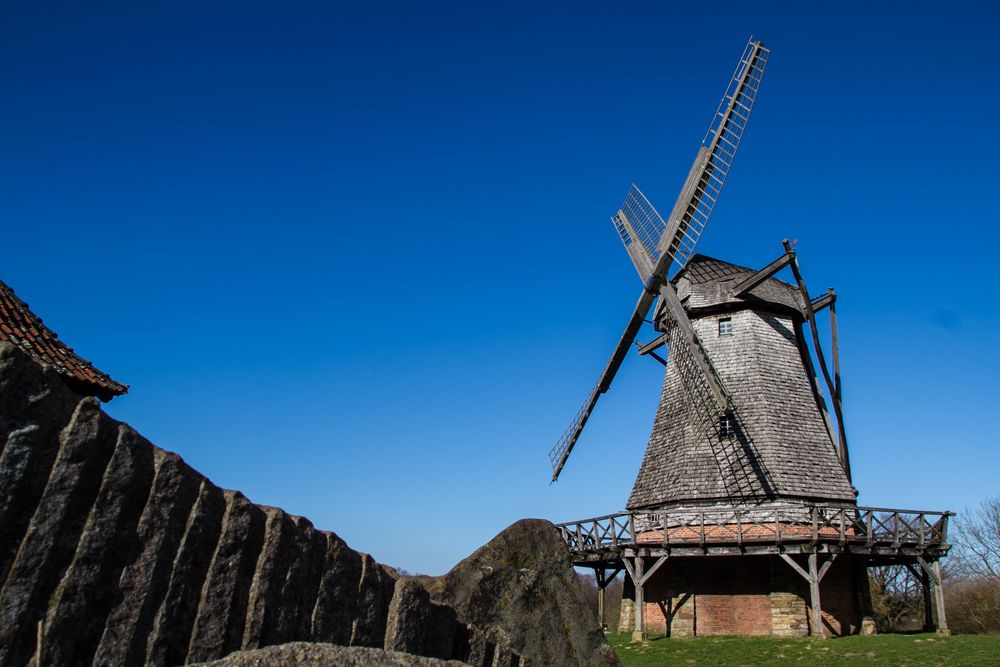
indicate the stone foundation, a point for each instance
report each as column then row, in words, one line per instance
column 747, row 595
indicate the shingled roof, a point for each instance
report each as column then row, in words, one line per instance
column 20, row 326
column 707, row 283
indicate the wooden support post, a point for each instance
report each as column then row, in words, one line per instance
column 817, row 609
column 640, row 576
column 942, row 621
column 845, row 456
column 639, row 634
column 933, row 572
column 925, row 584
column 813, row 577
column 862, row 586
column 810, row 315
column 599, row 573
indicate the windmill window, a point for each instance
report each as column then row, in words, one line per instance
column 727, row 426
column 726, row 326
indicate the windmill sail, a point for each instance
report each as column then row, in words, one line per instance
column 715, row 158
column 654, row 243
column 637, row 222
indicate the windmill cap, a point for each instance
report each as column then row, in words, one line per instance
column 706, row 284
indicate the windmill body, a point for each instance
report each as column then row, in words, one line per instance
column 743, row 518
column 783, row 452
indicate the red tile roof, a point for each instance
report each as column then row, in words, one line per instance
column 23, row 328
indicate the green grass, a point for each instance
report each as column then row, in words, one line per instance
column 923, row 649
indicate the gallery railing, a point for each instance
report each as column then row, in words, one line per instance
column 869, row 526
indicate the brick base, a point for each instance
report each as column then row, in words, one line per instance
column 747, row 595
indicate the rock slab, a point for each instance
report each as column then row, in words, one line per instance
column 125, row 555
column 305, row 654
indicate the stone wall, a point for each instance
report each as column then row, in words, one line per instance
column 128, row 556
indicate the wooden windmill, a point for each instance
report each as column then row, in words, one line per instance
column 744, row 461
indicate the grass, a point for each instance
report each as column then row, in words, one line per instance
column 921, row 649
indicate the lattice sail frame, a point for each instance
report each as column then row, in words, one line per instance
column 640, row 227
column 559, row 453
column 721, row 142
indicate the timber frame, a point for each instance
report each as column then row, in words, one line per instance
column 641, row 542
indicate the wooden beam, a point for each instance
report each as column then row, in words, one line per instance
column 821, row 302
column 756, row 279
column 813, row 378
column 813, row 576
column 817, row 608
column 924, row 566
column 795, row 566
column 628, row 568
column 844, row 454
column 639, row 634
column 600, row 607
column 810, row 315
column 655, row 344
column 932, row 572
column 658, row 358
column 656, row 566
column 614, row 573
column 826, row 566
column 942, row 621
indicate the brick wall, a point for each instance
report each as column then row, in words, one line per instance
column 751, row 595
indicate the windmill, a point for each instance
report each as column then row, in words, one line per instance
column 743, row 501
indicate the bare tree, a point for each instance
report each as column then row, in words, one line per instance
column 896, row 598
column 977, row 541
column 974, row 571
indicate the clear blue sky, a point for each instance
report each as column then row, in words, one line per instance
column 357, row 262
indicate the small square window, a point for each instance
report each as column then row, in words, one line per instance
column 727, row 426
column 726, row 326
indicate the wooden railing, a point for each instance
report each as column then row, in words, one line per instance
column 869, row 526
